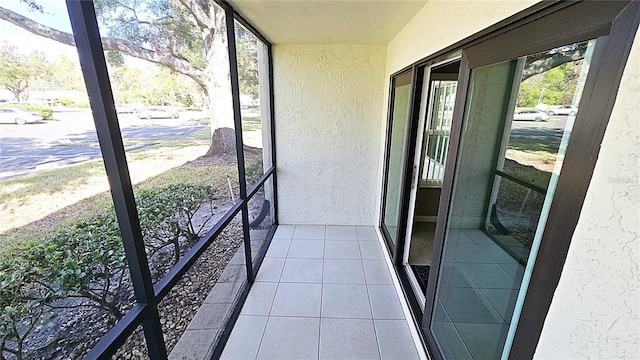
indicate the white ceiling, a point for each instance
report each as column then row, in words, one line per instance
column 328, row 21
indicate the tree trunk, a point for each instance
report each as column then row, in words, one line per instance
column 214, row 80
column 223, row 143
column 219, row 87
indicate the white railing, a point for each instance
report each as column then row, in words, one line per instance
column 437, row 131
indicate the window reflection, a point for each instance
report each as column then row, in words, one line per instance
column 517, row 124
column 546, row 106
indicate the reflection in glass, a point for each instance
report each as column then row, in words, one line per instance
column 491, row 236
column 533, row 147
column 261, row 216
column 513, row 218
column 397, row 151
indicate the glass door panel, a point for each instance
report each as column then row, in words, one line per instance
column 437, row 101
column 510, row 156
column 397, row 148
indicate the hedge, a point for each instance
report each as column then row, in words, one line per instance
column 87, row 260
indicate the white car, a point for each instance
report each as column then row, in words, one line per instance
column 157, row 113
column 570, row 110
column 531, row 115
column 18, row 116
column 125, row 109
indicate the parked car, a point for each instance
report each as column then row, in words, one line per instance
column 157, row 113
column 531, row 115
column 18, row 116
column 564, row 110
column 125, row 109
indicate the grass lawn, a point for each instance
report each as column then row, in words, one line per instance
column 539, row 153
column 41, row 203
column 252, row 128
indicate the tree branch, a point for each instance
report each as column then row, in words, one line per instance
column 551, row 61
column 169, row 60
column 199, row 14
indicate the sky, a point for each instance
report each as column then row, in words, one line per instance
column 55, row 15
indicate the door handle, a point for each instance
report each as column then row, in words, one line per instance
column 414, row 177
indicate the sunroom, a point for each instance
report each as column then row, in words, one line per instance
column 421, row 194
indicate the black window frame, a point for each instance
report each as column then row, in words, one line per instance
column 148, row 296
column 416, row 83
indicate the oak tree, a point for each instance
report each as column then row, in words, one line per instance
column 186, row 36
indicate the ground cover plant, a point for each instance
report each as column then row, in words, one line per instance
column 23, row 302
column 84, row 265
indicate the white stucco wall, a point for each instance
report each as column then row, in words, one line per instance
column 595, row 311
column 328, row 105
column 443, row 23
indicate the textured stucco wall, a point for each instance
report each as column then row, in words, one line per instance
column 328, row 106
column 595, row 311
column 442, row 23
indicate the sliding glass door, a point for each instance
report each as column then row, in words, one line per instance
column 398, row 130
column 512, row 145
column 436, row 97
column 527, row 95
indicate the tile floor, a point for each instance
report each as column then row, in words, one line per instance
column 322, row 292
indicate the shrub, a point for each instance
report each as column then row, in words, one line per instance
column 86, row 261
column 65, row 101
column 253, row 171
column 84, row 105
column 23, row 303
column 167, row 214
column 70, row 103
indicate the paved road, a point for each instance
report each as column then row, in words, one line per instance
column 543, row 130
column 71, row 137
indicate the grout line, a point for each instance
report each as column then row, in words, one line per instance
column 264, row 332
column 324, row 243
column 288, row 248
column 370, row 303
column 290, row 316
column 273, row 301
column 319, row 334
column 375, row 332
